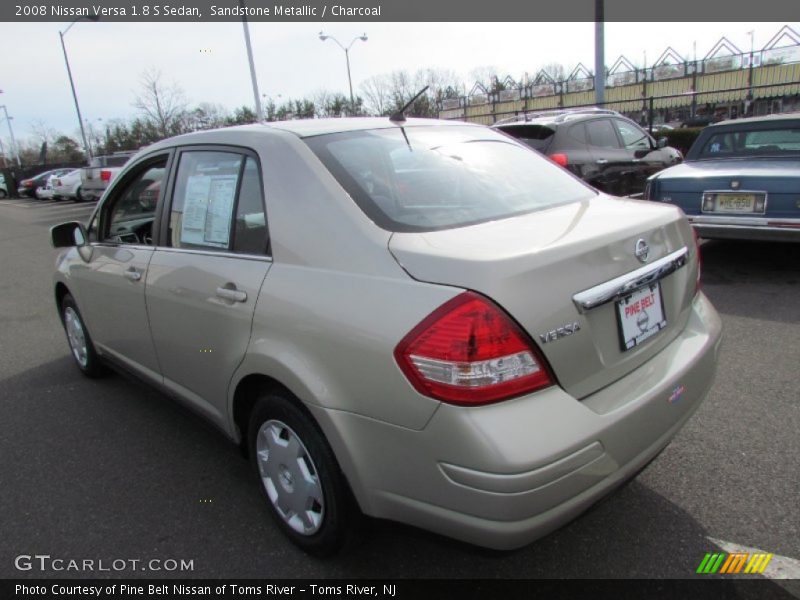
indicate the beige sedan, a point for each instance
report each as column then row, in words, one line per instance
column 415, row 320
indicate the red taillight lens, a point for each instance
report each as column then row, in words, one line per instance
column 699, row 260
column 105, row 175
column 468, row 351
column 559, row 159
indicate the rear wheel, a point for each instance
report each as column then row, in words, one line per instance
column 79, row 341
column 304, row 487
column 3, row 194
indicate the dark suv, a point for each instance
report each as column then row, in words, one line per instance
column 605, row 149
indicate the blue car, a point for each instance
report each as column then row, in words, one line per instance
column 740, row 180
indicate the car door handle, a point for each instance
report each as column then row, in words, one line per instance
column 602, row 161
column 133, row 274
column 232, row 294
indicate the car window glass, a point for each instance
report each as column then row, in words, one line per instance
column 578, row 133
column 601, row 134
column 91, row 230
column 129, row 214
column 250, row 236
column 773, row 141
column 201, row 215
column 537, row 137
column 633, row 137
column 432, row 178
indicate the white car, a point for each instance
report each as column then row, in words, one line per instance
column 67, row 186
column 47, row 191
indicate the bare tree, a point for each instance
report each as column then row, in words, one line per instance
column 162, row 105
column 486, row 75
column 377, row 92
column 555, row 70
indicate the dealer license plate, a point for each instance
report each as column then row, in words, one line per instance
column 640, row 315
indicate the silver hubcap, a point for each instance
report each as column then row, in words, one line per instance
column 290, row 477
column 76, row 336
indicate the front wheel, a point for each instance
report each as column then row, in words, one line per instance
column 306, row 492
column 79, row 341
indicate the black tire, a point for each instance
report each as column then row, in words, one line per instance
column 3, row 195
column 92, row 366
column 339, row 515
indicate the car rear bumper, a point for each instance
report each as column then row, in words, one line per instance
column 506, row 474
column 747, row 228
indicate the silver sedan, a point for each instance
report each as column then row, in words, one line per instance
column 415, row 320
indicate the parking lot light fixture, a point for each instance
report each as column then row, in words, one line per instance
column 14, row 146
column 363, row 38
column 61, row 35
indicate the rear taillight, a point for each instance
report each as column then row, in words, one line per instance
column 699, row 260
column 105, row 175
column 559, row 159
column 468, row 351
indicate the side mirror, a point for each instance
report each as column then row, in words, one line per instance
column 662, row 142
column 68, row 235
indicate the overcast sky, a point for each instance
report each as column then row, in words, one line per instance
column 108, row 58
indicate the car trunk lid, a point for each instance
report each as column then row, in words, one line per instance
column 534, row 265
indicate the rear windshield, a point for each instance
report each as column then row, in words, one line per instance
column 776, row 141
column 431, row 178
column 537, row 137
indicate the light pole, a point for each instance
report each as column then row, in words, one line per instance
column 750, row 75
column 11, row 132
column 253, row 79
column 61, row 35
column 363, row 38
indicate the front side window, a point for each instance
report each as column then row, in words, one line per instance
column 633, row 137
column 127, row 217
column 432, row 178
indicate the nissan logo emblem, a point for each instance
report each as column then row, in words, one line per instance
column 642, row 250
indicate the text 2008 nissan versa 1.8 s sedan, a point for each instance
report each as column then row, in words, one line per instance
column 412, row 319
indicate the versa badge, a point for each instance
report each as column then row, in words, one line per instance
column 560, row 332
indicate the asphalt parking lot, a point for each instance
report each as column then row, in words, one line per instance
column 112, row 469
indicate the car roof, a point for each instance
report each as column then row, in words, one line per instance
column 555, row 116
column 789, row 116
column 312, row 127
column 302, row 128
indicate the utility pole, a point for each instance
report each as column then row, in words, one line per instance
column 14, row 146
column 599, row 54
column 253, row 79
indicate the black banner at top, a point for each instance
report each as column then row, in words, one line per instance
column 399, row 10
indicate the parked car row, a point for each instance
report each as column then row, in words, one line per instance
column 39, row 186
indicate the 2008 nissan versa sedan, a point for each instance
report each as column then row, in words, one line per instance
column 411, row 319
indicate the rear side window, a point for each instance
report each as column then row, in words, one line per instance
column 537, row 137
column 601, row 134
column 775, row 141
column 432, row 178
column 578, row 133
column 217, row 203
